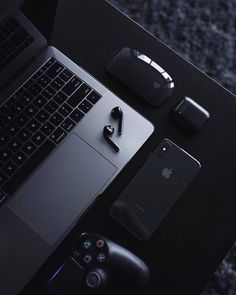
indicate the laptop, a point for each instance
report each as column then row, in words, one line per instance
column 54, row 159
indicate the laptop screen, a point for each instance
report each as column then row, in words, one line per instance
column 7, row 6
column 40, row 12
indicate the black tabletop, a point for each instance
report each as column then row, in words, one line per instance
column 201, row 227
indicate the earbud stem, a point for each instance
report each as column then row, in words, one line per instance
column 114, row 145
column 120, row 126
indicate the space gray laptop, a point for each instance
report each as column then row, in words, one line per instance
column 53, row 156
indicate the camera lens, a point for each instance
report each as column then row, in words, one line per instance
column 166, row 146
column 163, row 149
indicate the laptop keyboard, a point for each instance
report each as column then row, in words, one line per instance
column 36, row 118
column 14, row 39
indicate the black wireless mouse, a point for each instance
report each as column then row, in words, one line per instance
column 142, row 75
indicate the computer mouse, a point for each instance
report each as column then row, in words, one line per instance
column 142, row 75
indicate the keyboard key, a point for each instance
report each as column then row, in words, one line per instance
column 50, row 62
column 51, row 107
column 12, row 25
column 84, row 90
column 71, row 86
column 35, row 89
column 24, row 135
column 49, row 92
column 57, row 84
column 19, row 158
column 26, row 98
column 7, row 47
column 78, row 96
column 93, row 97
column 58, row 135
column 29, row 148
column 19, row 37
column 40, row 101
column 30, row 111
column 12, row 130
column 40, row 72
column 34, row 78
column 3, row 178
column 85, row 106
column 17, row 107
column 8, row 116
column 5, row 155
column 65, row 75
column 38, row 138
column 56, row 119
column 33, row 125
column 9, row 168
column 14, row 145
column 54, row 70
column 44, row 81
column 60, row 98
column 3, row 139
column 77, row 115
column 68, row 125
column 42, row 116
column 29, row 167
column 21, row 120
column 65, row 110
column 47, row 128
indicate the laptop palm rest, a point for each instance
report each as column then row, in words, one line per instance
column 62, row 189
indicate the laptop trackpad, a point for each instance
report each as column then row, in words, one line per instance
column 61, row 190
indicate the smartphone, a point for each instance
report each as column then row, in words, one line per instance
column 155, row 188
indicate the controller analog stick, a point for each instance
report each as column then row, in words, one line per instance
column 96, row 279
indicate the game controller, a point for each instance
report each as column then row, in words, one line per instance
column 95, row 265
column 104, row 262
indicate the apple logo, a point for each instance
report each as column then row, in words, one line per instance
column 166, row 173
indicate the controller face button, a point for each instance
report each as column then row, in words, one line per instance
column 87, row 259
column 100, row 243
column 87, row 244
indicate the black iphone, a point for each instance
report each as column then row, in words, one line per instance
column 153, row 191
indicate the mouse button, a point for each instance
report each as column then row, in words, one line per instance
column 143, row 58
column 157, row 67
column 167, row 76
column 171, row 85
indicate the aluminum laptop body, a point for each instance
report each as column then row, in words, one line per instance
column 56, row 162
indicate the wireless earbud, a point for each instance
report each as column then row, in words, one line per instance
column 108, row 130
column 117, row 113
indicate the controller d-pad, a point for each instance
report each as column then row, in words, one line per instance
column 101, row 257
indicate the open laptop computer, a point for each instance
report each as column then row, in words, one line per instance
column 54, row 160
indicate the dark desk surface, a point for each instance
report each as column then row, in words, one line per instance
column 197, row 233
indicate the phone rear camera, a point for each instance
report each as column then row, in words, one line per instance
column 164, row 149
